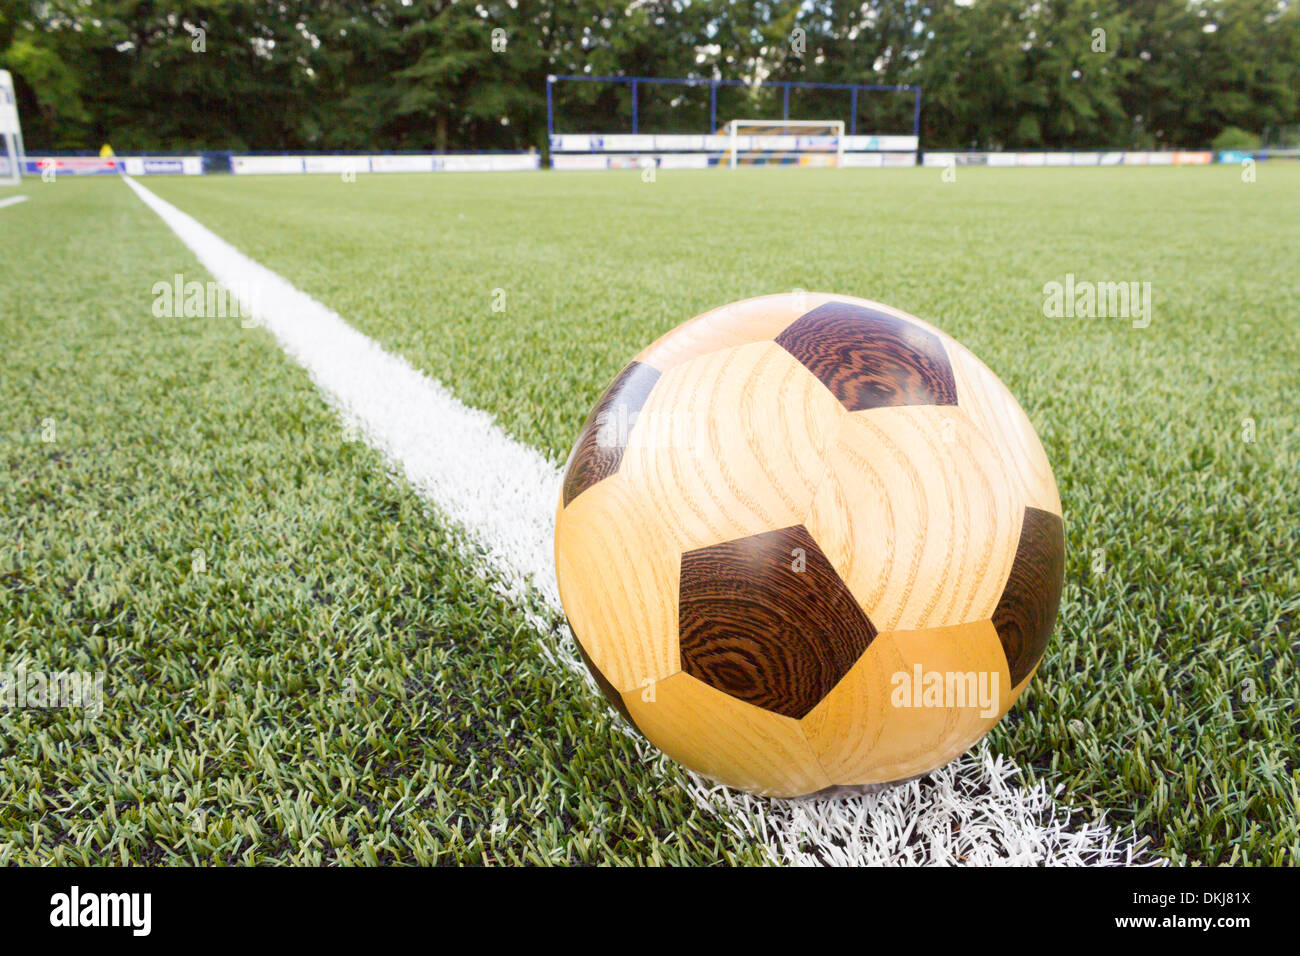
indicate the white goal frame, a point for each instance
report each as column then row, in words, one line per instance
column 11, row 133
column 733, row 139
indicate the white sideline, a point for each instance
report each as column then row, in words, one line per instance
column 501, row 495
column 12, row 201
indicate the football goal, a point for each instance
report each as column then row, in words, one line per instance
column 785, row 142
column 11, row 152
column 629, row 122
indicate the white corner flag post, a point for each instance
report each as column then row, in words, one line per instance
column 11, row 160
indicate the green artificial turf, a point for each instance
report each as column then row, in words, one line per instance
column 1168, row 694
column 333, row 685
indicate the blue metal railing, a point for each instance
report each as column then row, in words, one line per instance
column 785, row 86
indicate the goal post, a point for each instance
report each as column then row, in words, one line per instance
column 625, row 122
column 11, row 133
column 785, row 142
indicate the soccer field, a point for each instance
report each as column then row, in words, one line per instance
column 336, row 678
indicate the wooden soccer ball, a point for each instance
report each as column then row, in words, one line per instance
column 808, row 542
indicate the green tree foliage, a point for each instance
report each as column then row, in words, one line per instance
column 433, row 74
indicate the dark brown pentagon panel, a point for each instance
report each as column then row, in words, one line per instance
column 609, row 690
column 870, row 359
column 1026, row 612
column 767, row 620
column 599, row 449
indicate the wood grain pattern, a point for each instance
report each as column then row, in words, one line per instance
column 731, row 444
column 917, row 518
column 759, row 319
column 617, row 571
column 767, row 620
column 1026, row 613
column 607, row 690
column 871, row 359
column 863, row 738
column 673, row 547
column 995, row 411
column 599, row 448
column 728, row 740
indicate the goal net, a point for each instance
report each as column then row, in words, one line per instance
column 785, row 142
column 626, row 122
column 11, row 134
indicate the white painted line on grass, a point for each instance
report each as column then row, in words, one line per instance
column 12, row 201
column 502, row 494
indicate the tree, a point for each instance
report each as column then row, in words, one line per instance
column 422, row 74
